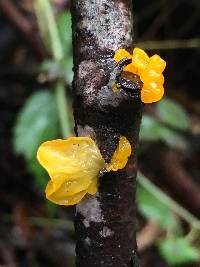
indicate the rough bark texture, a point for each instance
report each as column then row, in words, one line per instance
column 105, row 223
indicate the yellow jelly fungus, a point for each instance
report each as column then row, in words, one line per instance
column 74, row 165
column 120, row 156
column 149, row 70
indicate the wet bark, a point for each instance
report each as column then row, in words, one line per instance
column 105, row 223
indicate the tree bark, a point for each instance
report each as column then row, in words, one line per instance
column 105, row 223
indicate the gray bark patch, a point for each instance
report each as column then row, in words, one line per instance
column 90, row 209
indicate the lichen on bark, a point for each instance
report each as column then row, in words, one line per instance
column 106, row 220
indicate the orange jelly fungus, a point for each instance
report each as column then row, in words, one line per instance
column 74, row 165
column 121, row 155
column 149, row 70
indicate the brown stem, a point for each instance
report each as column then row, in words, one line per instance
column 24, row 26
column 180, row 183
column 105, row 223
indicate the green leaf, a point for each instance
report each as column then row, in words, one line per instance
column 46, row 65
column 152, row 208
column 65, row 31
column 178, row 250
column 153, row 130
column 51, row 209
column 173, row 114
column 150, row 129
column 36, row 123
column 173, row 139
column 41, row 178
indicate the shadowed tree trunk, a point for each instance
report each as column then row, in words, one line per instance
column 105, row 223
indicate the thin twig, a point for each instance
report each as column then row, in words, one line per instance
column 24, row 26
column 44, row 222
column 170, row 44
column 178, row 180
column 173, row 205
column 148, row 235
column 45, row 13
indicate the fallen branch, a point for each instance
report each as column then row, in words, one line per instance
column 181, row 185
column 105, row 223
column 148, row 235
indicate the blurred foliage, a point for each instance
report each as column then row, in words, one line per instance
column 62, row 68
column 178, row 250
column 65, row 33
column 60, row 65
column 168, row 126
column 173, row 114
column 36, row 123
column 152, row 130
column 155, row 205
column 170, row 114
column 45, row 114
column 152, row 208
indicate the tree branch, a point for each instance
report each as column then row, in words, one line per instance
column 105, row 223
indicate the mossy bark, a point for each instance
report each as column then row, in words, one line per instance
column 105, row 223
